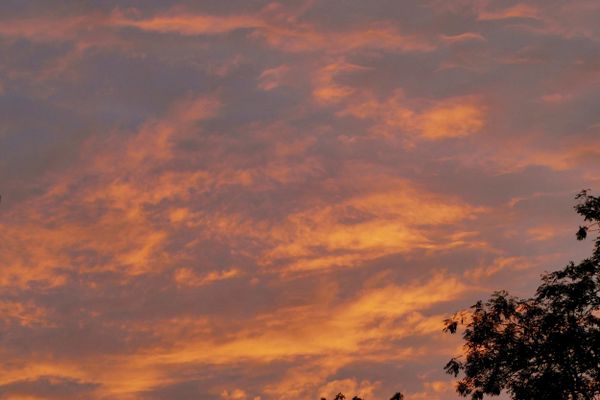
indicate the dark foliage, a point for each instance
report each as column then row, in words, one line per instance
column 340, row 396
column 543, row 347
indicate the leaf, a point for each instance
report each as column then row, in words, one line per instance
column 450, row 326
column 453, row 367
column 582, row 233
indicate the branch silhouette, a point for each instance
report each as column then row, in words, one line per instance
column 341, row 396
column 543, row 347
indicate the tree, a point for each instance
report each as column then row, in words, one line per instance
column 543, row 347
column 340, row 396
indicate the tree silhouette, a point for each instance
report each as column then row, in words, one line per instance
column 543, row 347
column 340, row 396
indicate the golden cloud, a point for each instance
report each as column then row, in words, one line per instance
column 447, row 118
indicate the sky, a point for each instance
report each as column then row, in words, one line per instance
column 261, row 200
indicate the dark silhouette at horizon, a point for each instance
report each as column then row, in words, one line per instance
column 543, row 347
column 341, row 396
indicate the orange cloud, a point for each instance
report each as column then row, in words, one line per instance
column 362, row 228
column 123, row 230
column 187, row 277
column 279, row 30
column 235, row 394
column 326, row 89
column 24, row 314
column 556, row 98
column 463, row 37
column 543, row 232
column 300, row 219
column 51, row 29
column 289, row 332
column 447, row 118
column 516, row 11
column 187, row 24
column 454, row 118
column 357, row 329
column 435, row 390
column 561, row 155
column 272, row 78
column 358, row 229
column 508, row 263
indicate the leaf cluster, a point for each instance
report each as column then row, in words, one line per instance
column 543, row 347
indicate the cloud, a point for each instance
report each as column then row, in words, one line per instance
column 346, row 332
column 326, row 90
column 187, row 277
column 186, row 24
column 373, row 316
column 451, row 119
column 272, row 78
column 278, row 29
column 555, row 98
column 463, row 37
column 50, row 29
column 516, row 11
column 447, row 118
column 118, row 232
column 47, row 387
column 282, row 200
column 499, row 264
column 24, row 314
column 235, row 394
column 363, row 228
